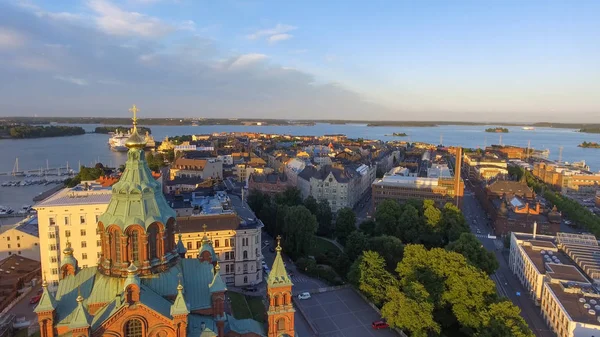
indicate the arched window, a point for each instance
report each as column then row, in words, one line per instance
column 226, row 242
column 216, row 243
column 245, row 255
column 115, row 245
column 133, row 328
column 281, row 324
column 135, row 246
column 152, row 234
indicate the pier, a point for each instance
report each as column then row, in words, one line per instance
column 52, row 171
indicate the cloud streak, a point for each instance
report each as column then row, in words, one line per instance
column 11, row 39
column 279, row 37
column 113, row 20
column 72, row 80
column 273, row 35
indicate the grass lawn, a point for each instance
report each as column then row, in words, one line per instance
column 321, row 246
column 23, row 333
column 247, row 306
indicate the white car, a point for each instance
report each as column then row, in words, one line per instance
column 304, row 296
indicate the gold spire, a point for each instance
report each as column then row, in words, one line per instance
column 278, row 249
column 179, row 285
column 217, row 267
column 205, row 237
column 68, row 250
column 79, row 297
column 45, row 283
column 135, row 141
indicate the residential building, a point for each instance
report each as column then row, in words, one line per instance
column 484, row 167
column 143, row 286
column 205, row 168
column 20, row 239
column 272, row 183
column 17, row 272
column 185, row 184
column 70, row 215
column 560, row 274
column 567, row 179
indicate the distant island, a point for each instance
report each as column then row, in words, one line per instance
column 590, row 130
column 499, row 130
column 120, row 129
column 33, row 131
column 589, row 145
column 399, row 134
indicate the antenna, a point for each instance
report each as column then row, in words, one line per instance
column 441, row 139
column 484, row 142
column 500, row 140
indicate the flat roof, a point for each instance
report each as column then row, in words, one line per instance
column 78, row 196
column 587, row 258
column 574, row 307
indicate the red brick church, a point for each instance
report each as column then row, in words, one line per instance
column 143, row 285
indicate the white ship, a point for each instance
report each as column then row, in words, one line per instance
column 117, row 141
column 528, row 128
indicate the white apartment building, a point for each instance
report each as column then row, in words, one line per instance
column 20, row 239
column 561, row 274
column 70, row 214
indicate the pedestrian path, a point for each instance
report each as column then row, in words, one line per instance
column 300, row 279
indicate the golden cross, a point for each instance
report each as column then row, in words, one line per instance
column 278, row 240
column 134, row 110
column 204, row 227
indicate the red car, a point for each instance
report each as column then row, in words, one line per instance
column 379, row 325
column 35, row 299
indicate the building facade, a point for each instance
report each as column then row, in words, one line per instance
column 268, row 183
column 21, row 239
column 205, row 168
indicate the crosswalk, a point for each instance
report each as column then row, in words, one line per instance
column 300, row 279
column 481, row 236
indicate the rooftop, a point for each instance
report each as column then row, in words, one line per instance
column 581, row 308
column 81, row 194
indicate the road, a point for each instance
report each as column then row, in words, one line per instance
column 363, row 207
column 507, row 283
column 24, row 309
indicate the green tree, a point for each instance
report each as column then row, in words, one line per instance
column 354, row 272
column 256, row 201
column 368, row 227
column 411, row 310
column 290, row 197
column 374, row 278
column 409, row 225
column 468, row 245
column 453, row 223
column 326, row 226
column 345, row 224
column 389, row 247
column 356, row 243
column 312, row 204
column 298, row 230
column 387, row 215
column 504, row 321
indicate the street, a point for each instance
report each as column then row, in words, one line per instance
column 24, row 309
column 507, row 283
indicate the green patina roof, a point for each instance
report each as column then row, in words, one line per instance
column 207, row 246
column 244, row 326
column 278, row 275
column 217, row 283
column 195, row 324
column 137, row 198
column 81, row 318
column 179, row 307
column 180, row 247
column 47, row 301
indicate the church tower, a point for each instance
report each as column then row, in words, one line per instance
column 138, row 224
column 279, row 290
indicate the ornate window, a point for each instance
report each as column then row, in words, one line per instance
column 152, row 233
column 281, row 324
column 115, row 245
column 216, row 243
column 135, row 246
column 133, row 328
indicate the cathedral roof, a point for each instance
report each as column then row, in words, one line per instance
column 81, row 318
column 278, row 275
column 179, row 306
column 217, row 284
column 47, row 301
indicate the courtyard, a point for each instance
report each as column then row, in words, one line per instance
column 341, row 313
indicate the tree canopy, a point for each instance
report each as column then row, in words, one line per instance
column 345, row 224
column 468, row 245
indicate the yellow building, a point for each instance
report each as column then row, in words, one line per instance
column 70, row 214
column 20, row 239
column 236, row 242
column 166, row 145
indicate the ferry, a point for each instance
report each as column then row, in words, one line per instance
column 117, row 141
column 528, row 128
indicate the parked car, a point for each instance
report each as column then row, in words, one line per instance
column 304, row 296
column 379, row 325
column 35, row 299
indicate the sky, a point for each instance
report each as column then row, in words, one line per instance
column 492, row 60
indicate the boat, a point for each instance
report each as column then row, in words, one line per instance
column 150, row 143
column 118, row 139
column 528, row 128
column 15, row 171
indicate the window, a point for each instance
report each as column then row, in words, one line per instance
column 82, row 219
column 116, row 246
column 281, row 324
column 83, row 244
column 245, row 267
column 133, row 328
column 232, row 255
column 52, row 247
column 198, row 244
column 97, row 216
column 53, row 259
column 18, row 238
column 97, row 230
column 226, row 242
column 256, row 252
column 85, row 266
column 82, row 232
column 256, row 239
column 66, row 220
column 54, row 271
column 216, row 243
column 98, row 243
column 245, row 254
column 227, row 269
column 8, row 238
column 18, row 245
column 232, row 241
column 51, row 221
column 67, row 234
column 52, row 235
column 84, row 256
column 9, row 245
column 245, row 279
column 189, row 245
column 135, row 249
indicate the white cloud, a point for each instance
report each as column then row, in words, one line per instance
column 246, row 60
column 11, row 39
column 187, row 25
column 279, row 37
column 72, row 80
column 39, row 12
column 116, row 21
column 277, row 30
column 34, row 63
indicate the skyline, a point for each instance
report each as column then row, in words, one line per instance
column 459, row 61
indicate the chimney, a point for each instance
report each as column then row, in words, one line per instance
column 534, row 229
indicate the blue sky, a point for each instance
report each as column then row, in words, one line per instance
column 389, row 60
